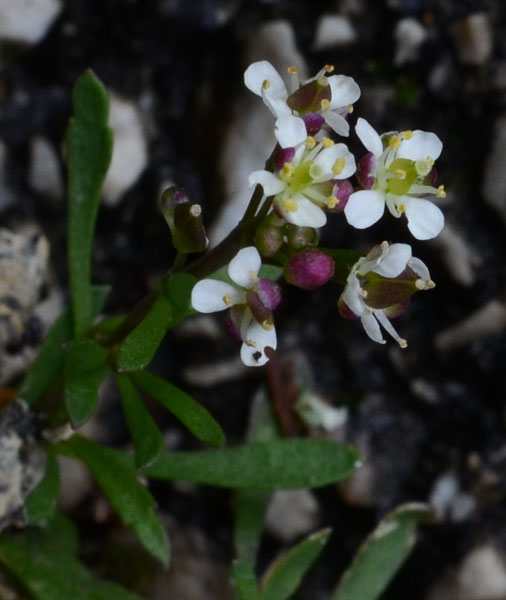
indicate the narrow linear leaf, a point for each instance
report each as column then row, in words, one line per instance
column 285, row 575
column 48, row 571
column 191, row 414
column 288, row 463
column 131, row 500
column 382, row 554
column 140, row 345
column 145, row 434
column 85, row 369
column 89, row 150
column 41, row 503
column 51, row 355
column 243, row 576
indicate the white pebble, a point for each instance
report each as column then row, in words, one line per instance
column 409, row 35
column 291, row 513
column 482, row 575
column 44, row 174
column 473, row 38
column 494, row 183
column 27, row 21
column 333, row 31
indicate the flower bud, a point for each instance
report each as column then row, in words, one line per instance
column 269, row 235
column 342, row 190
column 366, row 170
column 309, row 269
column 269, row 293
column 299, row 238
column 184, row 220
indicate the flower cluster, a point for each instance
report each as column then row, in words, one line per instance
column 310, row 175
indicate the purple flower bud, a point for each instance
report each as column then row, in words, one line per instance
column 268, row 238
column 233, row 323
column 258, row 309
column 269, row 293
column 282, row 156
column 314, row 122
column 366, row 170
column 342, row 190
column 309, row 269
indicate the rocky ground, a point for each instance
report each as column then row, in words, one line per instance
column 430, row 419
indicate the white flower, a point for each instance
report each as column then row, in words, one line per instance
column 210, row 295
column 398, row 166
column 330, row 98
column 299, row 195
column 388, row 261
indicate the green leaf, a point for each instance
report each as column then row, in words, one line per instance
column 48, row 571
column 382, row 554
column 140, row 345
column 191, row 414
column 145, row 434
column 288, row 463
column 132, row 501
column 85, row 369
column 344, row 261
column 285, row 575
column 52, row 353
column 178, row 289
column 41, row 503
column 244, row 579
column 89, row 149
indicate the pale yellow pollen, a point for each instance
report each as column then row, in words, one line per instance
column 268, row 324
column 394, row 142
column 325, row 104
column 292, row 70
column 228, row 300
column 430, row 284
column 328, row 68
column 253, row 275
column 423, row 167
column 286, row 170
column 349, row 108
column 400, row 173
column 310, row 142
column 327, row 142
column 322, row 81
column 402, row 343
column 425, row 284
column 332, row 201
column 407, row 135
column 289, row 204
column 338, row 166
column 441, row 192
column 363, row 293
column 266, row 84
column 195, row 210
column 401, row 207
column 384, row 246
column 250, row 343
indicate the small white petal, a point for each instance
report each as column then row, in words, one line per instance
column 364, row 208
column 351, row 296
column 307, row 214
column 419, row 267
column 420, row 146
column 271, row 184
column 290, row 131
column 336, row 122
column 394, row 261
column 389, row 328
column 208, row 296
column 344, row 89
column 244, row 267
column 327, row 157
column 425, row 219
column 372, row 327
column 369, row 137
column 257, row 340
column 261, row 71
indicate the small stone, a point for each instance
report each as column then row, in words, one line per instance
column 409, row 35
column 292, row 513
column 458, row 255
column 27, row 21
column 129, row 156
column 473, row 38
column 482, row 575
column 333, row 31
column 44, row 175
column 494, row 181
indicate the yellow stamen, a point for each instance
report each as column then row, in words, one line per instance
column 266, row 84
column 420, row 284
column 402, row 343
column 384, row 246
column 325, row 104
column 328, row 68
column 407, row 135
column 195, row 210
column 338, row 166
column 332, row 201
column 293, row 70
column 253, row 275
column 441, row 192
column 394, row 142
column 400, row 173
column 310, row 142
column 228, row 300
column 327, row 142
column 363, row 293
column 349, row 108
column 289, row 204
column 286, row 170
column 401, row 207
column 267, row 324
column 250, row 343
column 430, row 284
column 322, row 81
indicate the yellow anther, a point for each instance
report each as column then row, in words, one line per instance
column 250, row 343
column 407, row 135
column 289, row 204
column 325, row 104
column 441, row 192
column 423, row 167
column 430, row 160
column 327, row 142
column 195, row 210
column 328, row 68
column 266, row 84
column 286, row 170
column 253, row 275
column 401, row 207
column 363, row 293
column 420, row 284
column 310, row 142
column 430, row 284
column 400, row 173
column 349, row 108
column 394, row 142
column 338, row 166
column 293, row 70
column 268, row 324
column 332, row 201
column 402, row 343
column 384, row 246
column 228, row 300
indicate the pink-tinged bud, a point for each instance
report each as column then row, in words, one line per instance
column 269, row 293
column 258, row 309
column 172, row 197
column 309, row 269
column 308, row 98
column 342, row 190
column 282, row 156
column 299, row 238
column 184, row 220
column 344, row 310
column 313, row 122
column 268, row 238
column 366, row 170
